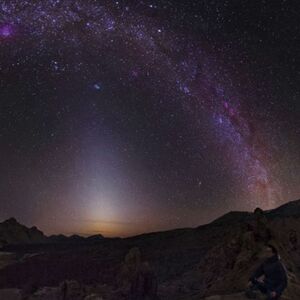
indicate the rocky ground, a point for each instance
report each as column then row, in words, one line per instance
column 209, row 262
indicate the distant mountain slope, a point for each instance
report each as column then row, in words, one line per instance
column 11, row 232
column 14, row 233
column 232, row 217
column 290, row 209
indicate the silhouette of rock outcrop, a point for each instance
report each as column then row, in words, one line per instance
column 14, row 233
column 11, row 232
column 72, row 290
column 138, row 277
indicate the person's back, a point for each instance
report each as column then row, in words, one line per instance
column 275, row 271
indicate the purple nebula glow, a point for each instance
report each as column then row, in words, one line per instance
column 6, row 30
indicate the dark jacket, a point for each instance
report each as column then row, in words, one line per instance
column 275, row 274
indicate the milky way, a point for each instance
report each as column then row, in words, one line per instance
column 124, row 117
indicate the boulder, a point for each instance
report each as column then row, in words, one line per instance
column 140, row 277
column 72, row 290
column 45, row 293
column 10, row 294
column 7, row 258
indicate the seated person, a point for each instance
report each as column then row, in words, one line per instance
column 274, row 276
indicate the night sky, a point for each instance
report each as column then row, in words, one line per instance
column 124, row 117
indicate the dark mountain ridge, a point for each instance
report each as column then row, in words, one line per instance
column 14, row 233
column 289, row 209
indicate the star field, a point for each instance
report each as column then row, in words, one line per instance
column 124, row 117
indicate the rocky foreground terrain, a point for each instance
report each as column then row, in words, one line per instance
column 211, row 262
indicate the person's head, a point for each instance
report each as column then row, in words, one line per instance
column 270, row 250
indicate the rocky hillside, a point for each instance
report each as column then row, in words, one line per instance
column 210, row 262
column 11, row 232
column 14, row 233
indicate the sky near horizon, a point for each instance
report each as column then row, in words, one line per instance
column 124, row 117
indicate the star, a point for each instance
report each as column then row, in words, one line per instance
column 97, row 86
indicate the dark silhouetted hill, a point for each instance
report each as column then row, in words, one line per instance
column 11, row 232
column 14, row 233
